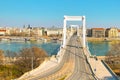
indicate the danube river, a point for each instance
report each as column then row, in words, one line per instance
column 99, row 48
column 51, row 48
column 96, row 48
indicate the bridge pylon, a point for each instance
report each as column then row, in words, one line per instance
column 74, row 18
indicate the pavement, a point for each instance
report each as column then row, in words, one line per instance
column 99, row 69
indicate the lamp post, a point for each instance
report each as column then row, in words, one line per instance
column 31, row 60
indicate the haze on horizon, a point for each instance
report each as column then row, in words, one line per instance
column 48, row 13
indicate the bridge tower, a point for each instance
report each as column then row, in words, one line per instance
column 77, row 26
column 75, row 18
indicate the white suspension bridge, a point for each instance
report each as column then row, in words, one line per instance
column 73, row 61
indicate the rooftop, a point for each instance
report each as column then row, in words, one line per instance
column 98, row 29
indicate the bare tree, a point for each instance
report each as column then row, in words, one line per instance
column 29, row 58
column 1, row 56
column 113, row 57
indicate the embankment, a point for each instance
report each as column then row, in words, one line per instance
column 102, row 39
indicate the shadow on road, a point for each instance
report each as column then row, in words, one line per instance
column 74, row 46
column 73, row 52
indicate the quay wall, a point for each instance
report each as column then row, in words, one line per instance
column 102, row 39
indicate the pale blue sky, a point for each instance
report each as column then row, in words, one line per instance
column 99, row 13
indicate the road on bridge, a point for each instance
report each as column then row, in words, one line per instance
column 73, row 66
column 82, row 69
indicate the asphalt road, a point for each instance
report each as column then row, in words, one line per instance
column 82, row 70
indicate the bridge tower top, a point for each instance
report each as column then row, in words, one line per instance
column 75, row 18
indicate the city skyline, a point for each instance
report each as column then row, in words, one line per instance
column 48, row 13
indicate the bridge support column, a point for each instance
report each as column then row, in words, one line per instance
column 84, row 32
column 64, row 33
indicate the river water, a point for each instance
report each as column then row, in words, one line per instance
column 96, row 48
column 50, row 47
column 99, row 48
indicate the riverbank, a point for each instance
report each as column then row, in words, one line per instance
column 31, row 39
column 92, row 39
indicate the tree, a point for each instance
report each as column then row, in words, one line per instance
column 113, row 57
column 1, row 57
column 113, row 54
column 10, row 55
column 29, row 58
column 38, row 56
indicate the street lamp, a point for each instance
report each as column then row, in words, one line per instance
column 32, row 59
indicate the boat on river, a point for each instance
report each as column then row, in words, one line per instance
column 106, row 40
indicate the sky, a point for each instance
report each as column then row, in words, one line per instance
column 48, row 13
